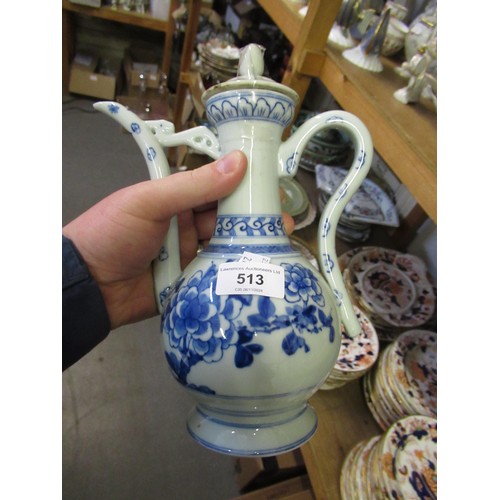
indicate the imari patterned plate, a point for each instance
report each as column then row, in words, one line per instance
column 392, row 285
column 346, row 257
column 374, row 403
column 412, row 361
column 347, row 472
column 358, row 354
column 393, row 406
column 387, row 289
column 355, row 473
column 409, row 458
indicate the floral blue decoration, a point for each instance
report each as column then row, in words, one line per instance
column 200, row 325
column 113, row 108
column 135, row 128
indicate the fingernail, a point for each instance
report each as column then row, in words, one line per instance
column 228, row 163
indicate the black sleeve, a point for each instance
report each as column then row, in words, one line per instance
column 85, row 320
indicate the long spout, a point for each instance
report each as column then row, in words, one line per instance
column 150, row 147
column 167, row 266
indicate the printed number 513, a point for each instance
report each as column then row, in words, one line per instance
column 251, row 279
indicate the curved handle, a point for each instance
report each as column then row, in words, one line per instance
column 167, row 266
column 363, row 155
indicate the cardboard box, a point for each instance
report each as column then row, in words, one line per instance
column 88, row 3
column 137, row 62
column 87, row 78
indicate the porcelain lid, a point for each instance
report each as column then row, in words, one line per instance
column 250, row 71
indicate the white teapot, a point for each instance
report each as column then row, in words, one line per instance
column 250, row 328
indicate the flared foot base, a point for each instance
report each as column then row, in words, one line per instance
column 241, row 437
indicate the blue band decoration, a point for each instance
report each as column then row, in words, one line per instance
column 267, row 106
column 239, row 225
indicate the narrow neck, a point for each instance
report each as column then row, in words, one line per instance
column 258, row 193
column 251, row 120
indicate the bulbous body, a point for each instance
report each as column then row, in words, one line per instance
column 251, row 361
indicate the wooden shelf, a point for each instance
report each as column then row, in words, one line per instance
column 69, row 10
column 286, row 16
column 343, row 420
column 404, row 135
column 118, row 15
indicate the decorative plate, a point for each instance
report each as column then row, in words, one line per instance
column 358, row 354
column 387, row 289
column 409, row 458
column 372, row 402
column 346, row 257
column 413, row 364
column 369, row 204
column 386, row 385
column 348, row 471
column 415, row 313
column 363, row 462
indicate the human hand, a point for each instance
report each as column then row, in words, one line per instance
column 120, row 236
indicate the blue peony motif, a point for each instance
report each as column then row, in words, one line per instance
column 301, row 285
column 192, row 320
column 201, row 325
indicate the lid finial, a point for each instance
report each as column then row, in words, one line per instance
column 251, row 63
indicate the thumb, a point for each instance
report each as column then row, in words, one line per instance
column 181, row 191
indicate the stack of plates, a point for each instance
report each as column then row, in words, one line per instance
column 219, row 61
column 404, row 381
column 390, row 287
column 357, row 355
column 370, row 204
column 400, row 464
column 329, row 146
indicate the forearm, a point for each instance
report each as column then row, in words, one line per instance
column 85, row 320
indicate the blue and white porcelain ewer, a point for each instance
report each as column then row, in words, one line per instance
column 250, row 328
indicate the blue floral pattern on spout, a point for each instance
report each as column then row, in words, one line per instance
column 201, row 326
